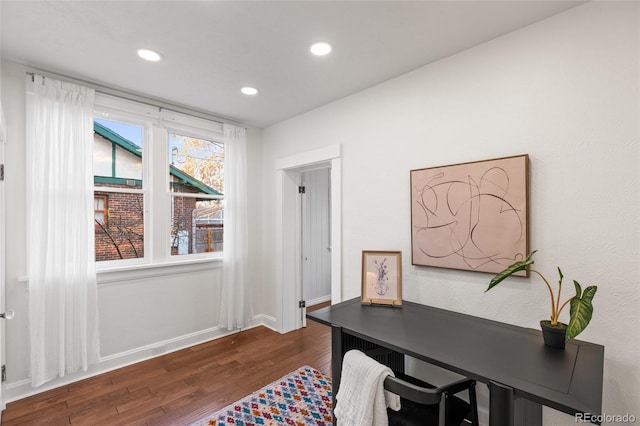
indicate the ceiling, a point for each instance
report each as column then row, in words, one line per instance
column 212, row 48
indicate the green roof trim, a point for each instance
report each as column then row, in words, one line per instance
column 184, row 178
column 190, row 180
column 117, row 139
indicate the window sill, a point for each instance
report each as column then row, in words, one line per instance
column 136, row 272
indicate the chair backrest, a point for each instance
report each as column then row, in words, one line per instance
column 412, row 392
column 449, row 408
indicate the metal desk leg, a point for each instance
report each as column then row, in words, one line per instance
column 527, row 412
column 336, row 363
column 505, row 409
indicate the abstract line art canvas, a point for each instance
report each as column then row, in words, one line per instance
column 471, row 216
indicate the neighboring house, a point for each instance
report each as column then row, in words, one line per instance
column 119, row 225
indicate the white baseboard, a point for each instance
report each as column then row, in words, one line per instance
column 22, row 388
column 266, row 320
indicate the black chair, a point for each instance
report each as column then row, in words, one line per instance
column 423, row 404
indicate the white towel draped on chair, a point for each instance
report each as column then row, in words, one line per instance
column 361, row 398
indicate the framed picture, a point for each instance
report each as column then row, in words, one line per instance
column 382, row 277
column 471, row 216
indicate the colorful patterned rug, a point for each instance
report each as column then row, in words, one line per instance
column 301, row 398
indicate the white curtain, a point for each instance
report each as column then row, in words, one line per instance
column 234, row 304
column 60, row 240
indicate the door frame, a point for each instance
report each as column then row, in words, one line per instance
column 288, row 248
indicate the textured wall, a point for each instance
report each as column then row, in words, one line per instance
column 565, row 91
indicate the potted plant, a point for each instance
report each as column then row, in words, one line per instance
column 555, row 333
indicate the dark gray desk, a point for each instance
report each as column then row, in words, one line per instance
column 522, row 373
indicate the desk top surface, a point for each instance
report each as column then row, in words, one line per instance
column 569, row 380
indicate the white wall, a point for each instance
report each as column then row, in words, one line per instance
column 565, row 91
column 142, row 313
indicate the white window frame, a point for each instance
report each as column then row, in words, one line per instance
column 156, row 123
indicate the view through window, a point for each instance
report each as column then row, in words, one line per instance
column 196, row 185
column 196, row 179
column 118, row 196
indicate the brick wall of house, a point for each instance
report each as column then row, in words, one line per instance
column 123, row 233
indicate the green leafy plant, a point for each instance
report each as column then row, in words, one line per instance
column 581, row 307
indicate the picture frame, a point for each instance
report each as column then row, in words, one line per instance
column 471, row 216
column 382, row 278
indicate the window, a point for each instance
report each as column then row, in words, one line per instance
column 137, row 222
column 117, row 165
column 100, row 208
column 196, row 183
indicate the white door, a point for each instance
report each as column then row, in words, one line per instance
column 316, row 236
column 2, row 255
column 313, row 239
column 4, row 314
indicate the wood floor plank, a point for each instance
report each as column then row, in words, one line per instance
column 96, row 397
column 180, row 387
column 93, row 414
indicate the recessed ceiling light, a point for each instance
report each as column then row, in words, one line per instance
column 321, row 48
column 149, row 55
column 247, row 90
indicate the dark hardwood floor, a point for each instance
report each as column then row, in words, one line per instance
column 180, row 387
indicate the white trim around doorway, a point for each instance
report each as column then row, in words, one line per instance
column 287, row 265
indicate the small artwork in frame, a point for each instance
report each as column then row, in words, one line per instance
column 382, row 277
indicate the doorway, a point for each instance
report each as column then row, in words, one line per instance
column 315, row 197
column 289, row 233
